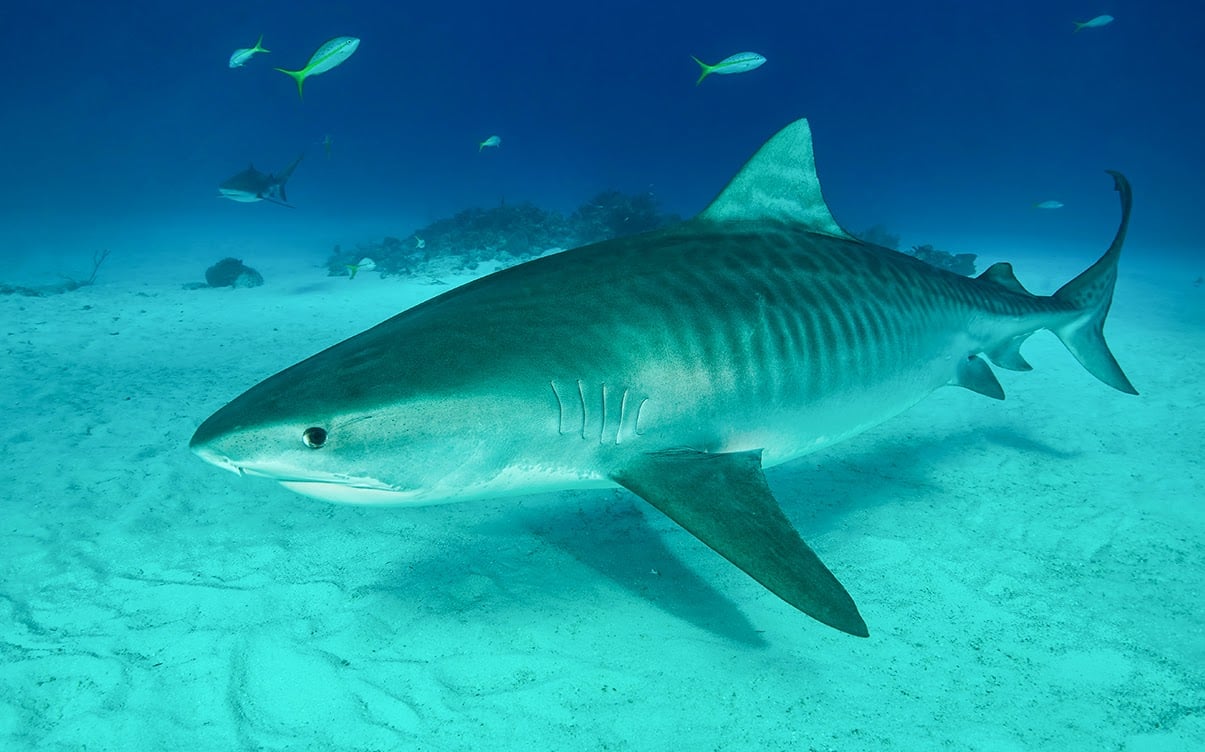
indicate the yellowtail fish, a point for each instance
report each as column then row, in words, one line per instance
column 331, row 54
column 240, row 56
column 742, row 62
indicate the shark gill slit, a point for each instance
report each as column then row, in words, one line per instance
column 602, row 421
column 560, row 408
column 581, row 395
column 623, row 404
column 636, row 423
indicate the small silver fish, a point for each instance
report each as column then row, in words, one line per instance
column 241, row 56
column 494, row 141
column 1094, row 23
column 741, row 62
column 1048, row 205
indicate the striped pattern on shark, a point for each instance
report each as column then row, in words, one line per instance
column 677, row 364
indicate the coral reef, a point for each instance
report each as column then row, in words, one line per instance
column 959, row 263
column 506, row 234
column 612, row 214
column 880, row 236
column 232, row 272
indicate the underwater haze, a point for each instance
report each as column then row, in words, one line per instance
column 945, row 122
column 1031, row 570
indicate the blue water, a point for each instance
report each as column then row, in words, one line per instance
column 148, row 602
column 937, row 119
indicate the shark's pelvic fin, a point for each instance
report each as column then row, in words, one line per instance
column 976, row 375
column 724, row 501
column 779, row 183
column 1092, row 294
column 1008, row 354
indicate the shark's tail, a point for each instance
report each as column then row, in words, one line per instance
column 299, row 77
column 288, row 172
column 1091, row 293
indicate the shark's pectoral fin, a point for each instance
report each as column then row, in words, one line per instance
column 724, row 501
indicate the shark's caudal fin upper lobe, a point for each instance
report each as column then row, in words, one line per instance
column 284, row 177
column 1092, row 294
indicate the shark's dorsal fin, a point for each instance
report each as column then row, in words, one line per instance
column 779, row 184
column 1001, row 274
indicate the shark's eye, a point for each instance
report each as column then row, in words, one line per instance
column 314, row 437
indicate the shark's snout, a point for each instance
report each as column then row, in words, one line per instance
column 203, row 445
column 219, row 460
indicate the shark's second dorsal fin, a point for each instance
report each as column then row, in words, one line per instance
column 1002, row 275
column 779, row 184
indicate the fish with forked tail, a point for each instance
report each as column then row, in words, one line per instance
column 239, row 57
column 742, row 62
column 332, row 53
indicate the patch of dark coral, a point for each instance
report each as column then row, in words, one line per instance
column 959, row 263
column 232, row 272
column 506, row 234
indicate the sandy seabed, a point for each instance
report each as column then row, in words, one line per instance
column 1031, row 570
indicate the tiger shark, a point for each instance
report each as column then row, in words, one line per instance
column 252, row 185
column 678, row 364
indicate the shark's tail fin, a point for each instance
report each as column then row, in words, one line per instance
column 299, row 77
column 1091, row 293
column 288, row 172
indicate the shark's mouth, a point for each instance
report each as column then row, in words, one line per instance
column 350, row 493
column 343, row 489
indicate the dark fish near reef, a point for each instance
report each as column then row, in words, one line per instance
column 252, row 185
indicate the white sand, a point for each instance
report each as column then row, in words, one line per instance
column 1032, row 571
